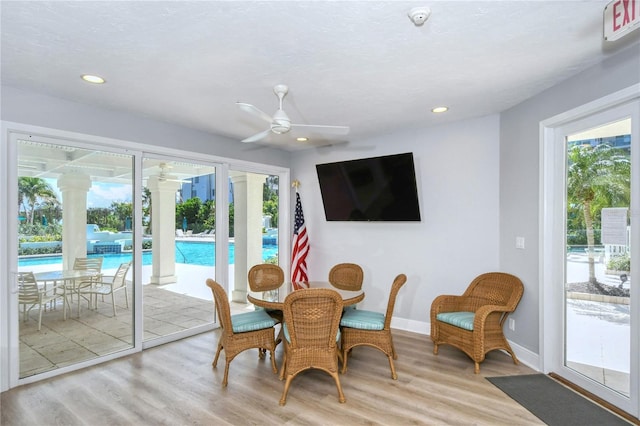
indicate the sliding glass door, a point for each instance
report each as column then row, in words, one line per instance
column 111, row 247
column 179, row 246
column 75, row 208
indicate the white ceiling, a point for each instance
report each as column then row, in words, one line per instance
column 359, row 64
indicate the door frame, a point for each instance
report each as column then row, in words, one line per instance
column 552, row 161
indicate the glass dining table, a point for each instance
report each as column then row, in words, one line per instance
column 269, row 299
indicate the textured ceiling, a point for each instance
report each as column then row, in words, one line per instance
column 359, row 64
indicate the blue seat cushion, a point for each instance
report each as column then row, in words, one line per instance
column 285, row 331
column 459, row 319
column 251, row 321
column 363, row 320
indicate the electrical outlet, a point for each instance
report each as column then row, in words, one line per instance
column 512, row 324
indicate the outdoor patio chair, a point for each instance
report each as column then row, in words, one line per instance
column 311, row 321
column 241, row 331
column 473, row 321
column 31, row 295
column 109, row 285
column 92, row 264
column 361, row 327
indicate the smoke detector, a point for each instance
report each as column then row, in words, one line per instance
column 419, row 15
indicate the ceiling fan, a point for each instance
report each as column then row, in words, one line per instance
column 163, row 177
column 280, row 123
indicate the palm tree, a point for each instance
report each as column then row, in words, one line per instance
column 598, row 176
column 30, row 191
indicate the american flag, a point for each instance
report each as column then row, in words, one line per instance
column 300, row 249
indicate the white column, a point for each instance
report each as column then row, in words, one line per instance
column 247, row 214
column 74, row 188
column 163, row 229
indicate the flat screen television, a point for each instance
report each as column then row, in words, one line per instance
column 370, row 189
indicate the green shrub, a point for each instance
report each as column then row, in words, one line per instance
column 39, row 250
column 620, row 263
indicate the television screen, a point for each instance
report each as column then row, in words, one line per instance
column 370, row 189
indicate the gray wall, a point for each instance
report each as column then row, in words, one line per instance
column 457, row 172
column 520, row 174
column 41, row 110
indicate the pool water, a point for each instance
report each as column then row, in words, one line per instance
column 188, row 252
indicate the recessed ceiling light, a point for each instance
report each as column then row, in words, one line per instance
column 440, row 109
column 93, row 79
column 302, row 139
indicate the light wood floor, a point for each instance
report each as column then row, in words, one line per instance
column 174, row 384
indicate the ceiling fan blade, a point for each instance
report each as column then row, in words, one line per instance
column 257, row 136
column 333, row 130
column 255, row 111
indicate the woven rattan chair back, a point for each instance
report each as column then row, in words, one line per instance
column 223, row 309
column 491, row 297
column 494, row 288
column 312, row 317
column 398, row 282
column 346, row 276
column 265, row 277
column 234, row 343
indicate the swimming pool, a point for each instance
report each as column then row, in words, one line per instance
column 187, row 252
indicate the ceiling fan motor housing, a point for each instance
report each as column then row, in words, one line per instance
column 281, row 122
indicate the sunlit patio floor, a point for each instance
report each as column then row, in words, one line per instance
column 167, row 310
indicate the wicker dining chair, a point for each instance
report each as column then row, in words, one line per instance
column 240, row 332
column 266, row 277
column 361, row 327
column 311, row 321
column 346, row 276
column 473, row 321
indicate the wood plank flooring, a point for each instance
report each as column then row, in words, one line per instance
column 174, row 384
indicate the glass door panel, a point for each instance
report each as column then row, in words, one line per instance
column 179, row 246
column 253, row 229
column 596, row 349
column 73, row 203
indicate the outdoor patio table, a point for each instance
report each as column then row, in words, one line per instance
column 265, row 300
column 64, row 277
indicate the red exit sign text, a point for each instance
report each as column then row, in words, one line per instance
column 620, row 18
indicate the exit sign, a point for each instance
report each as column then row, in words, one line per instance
column 620, row 18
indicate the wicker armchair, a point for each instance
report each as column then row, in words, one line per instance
column 311, row 320
column 241, row 331
column 346, row 276
column 473, row 322
column 361, row 327
column 266, row 277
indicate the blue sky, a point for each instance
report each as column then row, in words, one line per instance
column 101, row 194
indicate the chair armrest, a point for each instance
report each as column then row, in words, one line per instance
column 450, row 303
column 106, row 279
column 485, row 312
